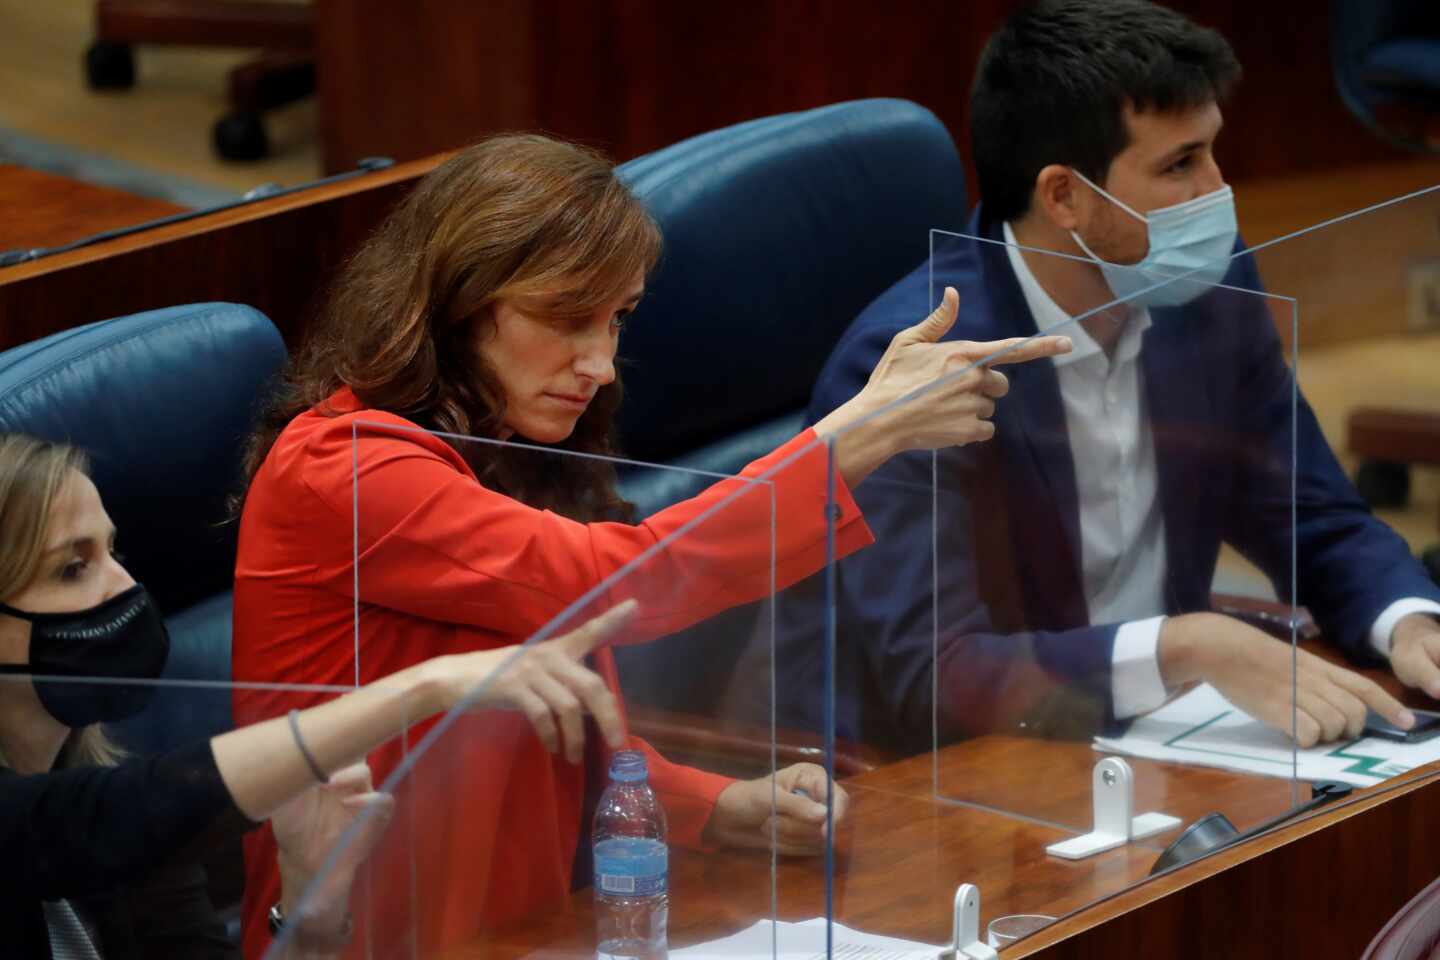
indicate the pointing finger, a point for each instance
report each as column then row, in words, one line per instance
column 1016, row 349
column 579, row 643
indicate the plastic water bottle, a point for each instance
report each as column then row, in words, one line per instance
column 632, row 897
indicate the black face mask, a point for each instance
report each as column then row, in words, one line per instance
column 123, row 638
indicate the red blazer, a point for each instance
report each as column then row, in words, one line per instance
column 487, row 821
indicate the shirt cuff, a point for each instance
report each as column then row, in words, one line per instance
column 1135, row 683
column 1391, row 615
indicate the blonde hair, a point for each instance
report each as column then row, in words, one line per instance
column 32, row 474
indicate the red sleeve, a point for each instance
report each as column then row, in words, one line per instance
column 687, row 794
column 435, row 543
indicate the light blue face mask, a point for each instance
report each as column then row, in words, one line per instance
column 1193, row 239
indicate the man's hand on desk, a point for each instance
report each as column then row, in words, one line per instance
column 1415, row 652
column 1253, row 671
column 744, row 816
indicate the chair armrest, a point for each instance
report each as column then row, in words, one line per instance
column 1394, row 434
column 743, row 750
column 1270, row 616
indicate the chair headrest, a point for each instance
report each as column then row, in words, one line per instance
column 162, row 403
column 778, row 232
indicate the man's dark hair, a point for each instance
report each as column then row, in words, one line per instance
column 1053, row 82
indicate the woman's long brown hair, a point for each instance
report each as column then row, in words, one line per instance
column 520, row 217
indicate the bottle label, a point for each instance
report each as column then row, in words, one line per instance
column 635, row 874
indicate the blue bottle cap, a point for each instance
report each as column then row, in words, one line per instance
column 628, row 766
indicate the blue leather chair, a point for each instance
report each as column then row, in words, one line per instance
column 778, row 232
column 1388, row 52
column 162, row 402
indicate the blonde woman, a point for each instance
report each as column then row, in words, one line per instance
column 93, row 840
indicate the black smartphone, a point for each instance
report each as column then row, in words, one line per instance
column 1427, row 725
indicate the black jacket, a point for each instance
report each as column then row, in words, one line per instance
column 122, row 843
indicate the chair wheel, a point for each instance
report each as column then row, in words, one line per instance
column 109, row 66
column 241, row 136
column 1383, row 484
column 1431, row 559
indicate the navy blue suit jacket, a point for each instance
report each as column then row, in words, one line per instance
column 1015, row 646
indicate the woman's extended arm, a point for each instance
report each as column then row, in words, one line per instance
column 263, row 765
column 86, row 831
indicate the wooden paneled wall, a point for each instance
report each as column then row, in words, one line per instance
column 631, row 76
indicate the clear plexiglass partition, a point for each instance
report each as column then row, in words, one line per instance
column 983, row 680
column 496, row 840
column 1366, row 345
column 1007, row 630
column 1156, row 582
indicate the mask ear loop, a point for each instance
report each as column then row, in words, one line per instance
column 1107, row 314
column 1113, row 199
column 1157, row 274
column 13, row 668
column 1088, row 252
column 1123, row 206
column 8, row 610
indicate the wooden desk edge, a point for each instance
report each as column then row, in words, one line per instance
column 1152, row 891
column 220, row 219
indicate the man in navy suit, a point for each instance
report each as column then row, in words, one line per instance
column 1077, row 549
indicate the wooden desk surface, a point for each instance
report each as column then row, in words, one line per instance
column 45, row 210
column 902, row 852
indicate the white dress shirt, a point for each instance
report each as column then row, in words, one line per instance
column 1122, row 529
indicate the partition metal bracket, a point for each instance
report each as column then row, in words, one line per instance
column 1115, row 822
column 965, row 939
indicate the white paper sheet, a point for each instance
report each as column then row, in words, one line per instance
column 1205, row 729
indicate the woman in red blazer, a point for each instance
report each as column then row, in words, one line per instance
column 488, row 305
